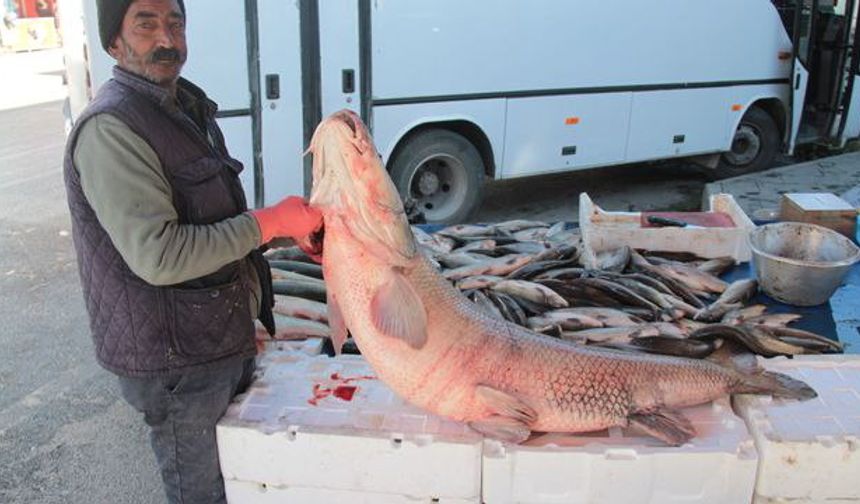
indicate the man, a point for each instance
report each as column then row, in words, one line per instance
column 167, row 251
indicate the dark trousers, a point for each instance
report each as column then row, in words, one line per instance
column 181, row 411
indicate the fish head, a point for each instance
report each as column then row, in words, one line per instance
column 351, row 184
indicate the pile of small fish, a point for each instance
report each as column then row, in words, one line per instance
column 532, row 274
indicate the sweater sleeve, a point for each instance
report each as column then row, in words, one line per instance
column 123, row 181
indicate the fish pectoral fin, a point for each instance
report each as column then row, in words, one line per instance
column 336, row 322
column 398, row 312
column 669, row 426
column 502, row 428
column 504, row 404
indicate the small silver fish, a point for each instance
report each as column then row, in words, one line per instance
column 498, row 266
column 478, row 282
column 694, row 278
column 512, row 226
column 531, row 291
column 467, row 231
column 293, row 306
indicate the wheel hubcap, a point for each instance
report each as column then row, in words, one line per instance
column 428, row 183
column 438, row 186
column 745, row 146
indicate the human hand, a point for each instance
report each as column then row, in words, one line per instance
column 291, row 217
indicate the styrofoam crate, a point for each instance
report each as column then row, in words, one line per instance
column 809, row 451
column 310, row 346
column 260, row 493
column 603, row 231
column 765, row 500
column 328, row 423
column 620, row 466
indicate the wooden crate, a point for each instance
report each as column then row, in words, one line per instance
column 823, row 209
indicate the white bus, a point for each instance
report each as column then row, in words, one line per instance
column 457, row 92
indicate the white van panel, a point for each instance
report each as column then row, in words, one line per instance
column 74, row 56
column 100, row 62
column 282, row 132
column 391, row 123
column 339, row 50
column 660, row 118
column 217, row 51
column 538, row 129
column 503, row 46
column 240, row 145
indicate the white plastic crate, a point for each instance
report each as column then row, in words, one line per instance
column 604, row 231
column 258, row 493
column 809, row 451
column 323, row 426
column 717, row 466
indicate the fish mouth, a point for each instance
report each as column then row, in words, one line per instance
column 360, row 139
column 348, row 118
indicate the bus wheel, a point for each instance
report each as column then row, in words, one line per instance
column 442, row 172
column 754, row 146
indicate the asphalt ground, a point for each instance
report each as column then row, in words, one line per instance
column 65, row 436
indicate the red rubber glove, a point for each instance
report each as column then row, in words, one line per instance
column 292, row 218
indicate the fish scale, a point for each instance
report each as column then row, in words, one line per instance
column 439, row 351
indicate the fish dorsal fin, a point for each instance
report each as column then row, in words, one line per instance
column 505, row 404
column 667, row 425
column 336, row 322
column 397, row 310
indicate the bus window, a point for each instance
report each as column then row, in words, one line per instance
column 805, row 27
column 786, row 9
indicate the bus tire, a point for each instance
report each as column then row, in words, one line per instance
column 754, row 146
column 442, row 173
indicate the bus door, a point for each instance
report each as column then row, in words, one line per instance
column 847, row 125
column 823, row 41
column 798, row 18
column 830, row 58
column 281, row 101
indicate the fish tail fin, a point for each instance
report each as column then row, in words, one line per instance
column 753, row 379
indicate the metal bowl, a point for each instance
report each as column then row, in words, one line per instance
column 800, row 264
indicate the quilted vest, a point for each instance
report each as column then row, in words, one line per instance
column 140, row 329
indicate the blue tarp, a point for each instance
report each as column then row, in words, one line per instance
column 839, row 319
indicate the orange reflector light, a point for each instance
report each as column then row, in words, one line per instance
column 571, row 120
column 784, row 55
column 737, row 108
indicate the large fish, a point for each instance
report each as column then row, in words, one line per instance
column 443, row 353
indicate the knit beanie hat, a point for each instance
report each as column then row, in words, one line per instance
column 111, row 14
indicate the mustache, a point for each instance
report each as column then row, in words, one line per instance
column 165, row 54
